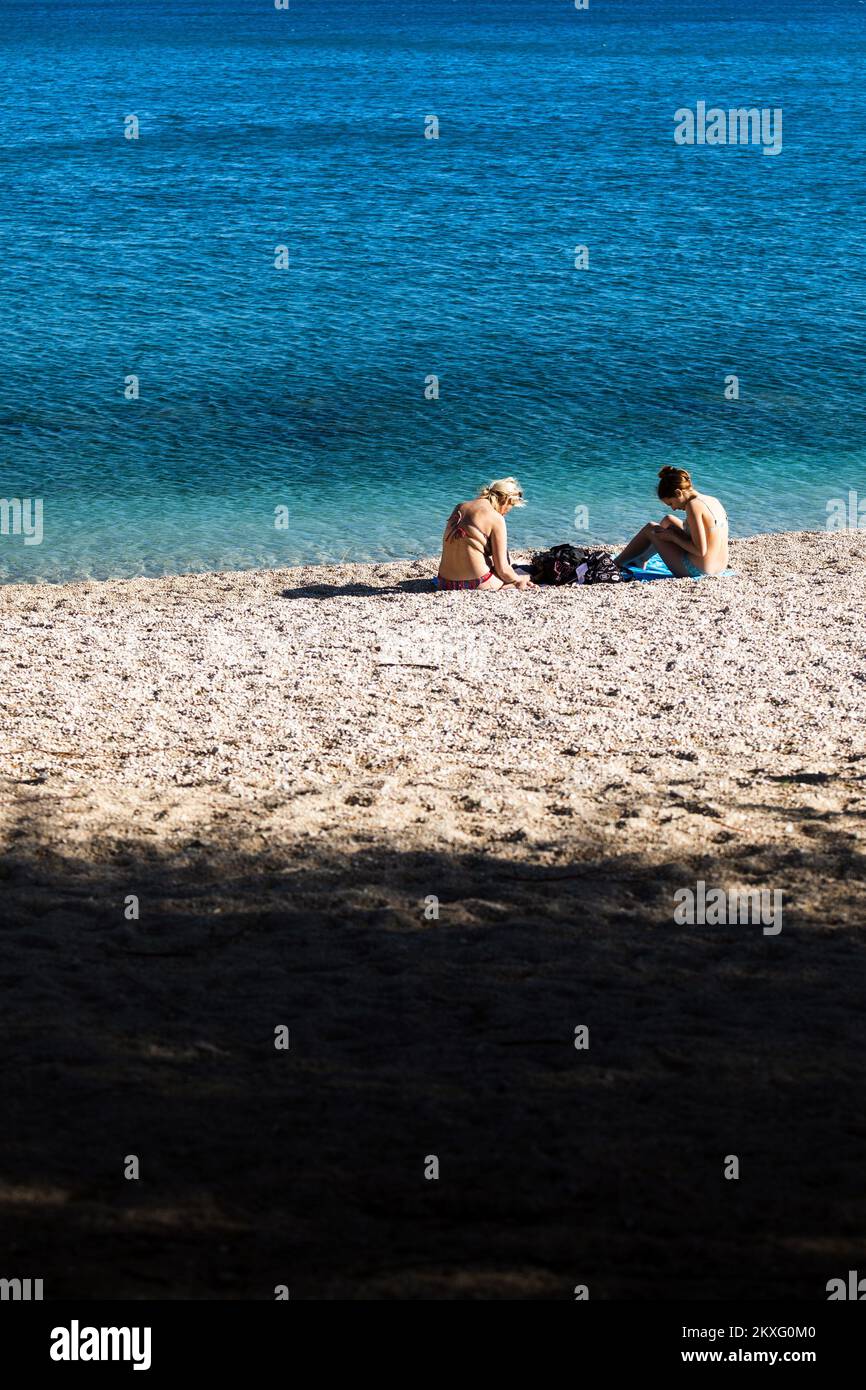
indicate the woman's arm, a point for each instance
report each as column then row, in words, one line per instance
column 499, row 551
column 693, row 541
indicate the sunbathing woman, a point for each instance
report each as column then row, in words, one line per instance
column 475, row 542
column 692, row 548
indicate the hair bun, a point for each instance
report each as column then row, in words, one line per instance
column 673, row 480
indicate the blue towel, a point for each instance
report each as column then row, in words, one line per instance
column 655, row 568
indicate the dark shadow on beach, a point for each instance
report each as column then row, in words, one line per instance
column 413, row 1035
column 360, row 590
column 424, row 585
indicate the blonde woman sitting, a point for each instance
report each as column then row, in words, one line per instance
column 475, row 541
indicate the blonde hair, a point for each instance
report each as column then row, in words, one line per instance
column 503, row 490
column 673, row 481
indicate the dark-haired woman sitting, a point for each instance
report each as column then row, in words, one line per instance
column 692, row 548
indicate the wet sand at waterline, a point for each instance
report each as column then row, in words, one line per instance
column 285, row 769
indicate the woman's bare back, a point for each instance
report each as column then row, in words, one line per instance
column 466, row 540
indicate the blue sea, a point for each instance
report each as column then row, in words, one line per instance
column 179, row 403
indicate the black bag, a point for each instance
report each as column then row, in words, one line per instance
column 600, row 568
column 565, row 564
column 557, row 565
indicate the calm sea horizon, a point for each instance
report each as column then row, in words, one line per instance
column 180, row 399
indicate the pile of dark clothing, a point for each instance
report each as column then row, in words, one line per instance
column 565, row 564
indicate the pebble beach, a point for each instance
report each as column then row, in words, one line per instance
column 432, row 834
column 306, row 687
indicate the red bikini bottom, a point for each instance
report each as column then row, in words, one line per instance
column 440, row 583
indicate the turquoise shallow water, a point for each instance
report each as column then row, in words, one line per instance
column 304, row 388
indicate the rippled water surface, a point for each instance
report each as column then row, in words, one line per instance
column 304, row 388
